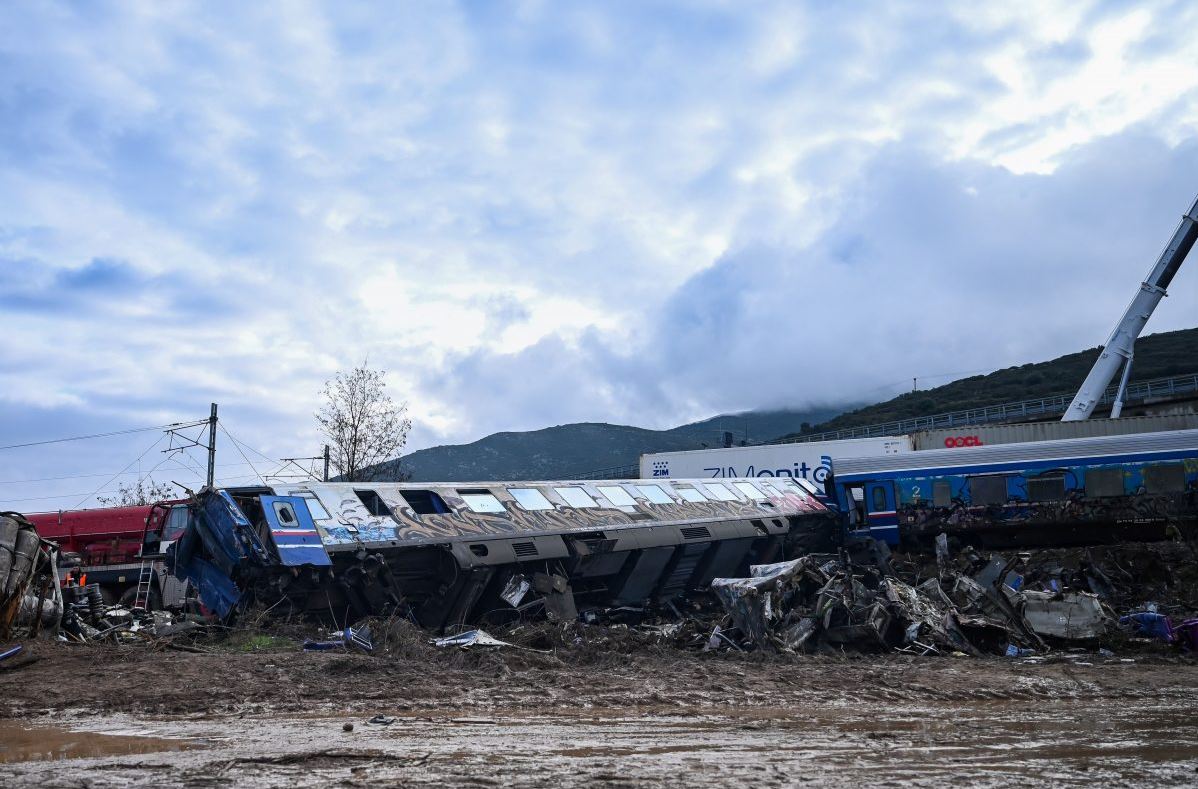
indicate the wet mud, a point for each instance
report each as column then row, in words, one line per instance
column 605, row 717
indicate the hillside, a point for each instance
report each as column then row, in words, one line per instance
column 583, row 447
column 1157, row 356
column 579, row 448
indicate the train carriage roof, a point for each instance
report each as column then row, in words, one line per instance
column 1063, row 450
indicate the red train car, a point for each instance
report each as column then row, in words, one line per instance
column 109, row 543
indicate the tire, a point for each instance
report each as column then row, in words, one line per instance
column 153, row 603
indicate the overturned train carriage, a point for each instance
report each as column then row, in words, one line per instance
column 451, row 553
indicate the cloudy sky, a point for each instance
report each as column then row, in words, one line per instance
column 532, row 213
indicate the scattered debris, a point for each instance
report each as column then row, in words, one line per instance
column 351, row 636
column 1150, row 624
column 470, row 638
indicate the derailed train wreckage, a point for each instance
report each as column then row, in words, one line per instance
column 449, row 553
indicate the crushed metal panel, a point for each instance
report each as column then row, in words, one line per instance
column 1072, row 615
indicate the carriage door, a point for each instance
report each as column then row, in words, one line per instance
column 881, row 511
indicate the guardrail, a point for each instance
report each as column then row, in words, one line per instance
column 1005, row 412
column 629, row 471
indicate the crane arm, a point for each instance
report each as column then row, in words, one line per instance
column 1119, row 347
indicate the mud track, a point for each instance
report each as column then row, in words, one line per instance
column 610, row 717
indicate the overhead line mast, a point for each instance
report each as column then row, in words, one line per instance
column 1120, row 347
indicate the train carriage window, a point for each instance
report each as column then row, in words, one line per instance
column 879, row 496
column 530, row 498
column 720, row 491
column 576, row 497
column 176, row 522
column 749, row 489
column 1165, row 478
column 942, row 493
column 617, row 495
column 802, row 484
column 424, row 502
column 690, row 494
column 769, row 489
column 481, row 501
column 315, row 508
column 1047, row 487
column 654, row 494
column 988, row 490
column 374, row 503
column 1104, row 482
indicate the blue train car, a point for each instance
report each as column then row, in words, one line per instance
column 1077, row 491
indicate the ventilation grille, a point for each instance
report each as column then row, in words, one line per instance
column 524, row 548
column 695, row 533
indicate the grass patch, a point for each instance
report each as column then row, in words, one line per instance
column 258, row 642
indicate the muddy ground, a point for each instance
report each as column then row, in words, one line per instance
column 612, row 706
column 609, row 711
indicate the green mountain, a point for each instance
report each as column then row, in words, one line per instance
column 1157, row 356
column 566, row 450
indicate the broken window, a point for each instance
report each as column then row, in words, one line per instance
column 284, row 514
column 374, row 504
column 654, row 494
column 720, row 491
column 530, row 498
column 1104, row 482
column 1047, row 487
column 750, row 490
column 576, row 497
column 481, row 501
column 176, row 522
column 617, row 495
column 424, row 502
column 987, row 490
column 1165, row 478
column 690, row 494
column 942, row 493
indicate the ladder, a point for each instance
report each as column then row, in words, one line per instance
column 145, row 580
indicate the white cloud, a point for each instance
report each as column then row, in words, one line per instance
column 506, row 207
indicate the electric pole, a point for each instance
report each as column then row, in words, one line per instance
column 326, row 462
column 212, row 446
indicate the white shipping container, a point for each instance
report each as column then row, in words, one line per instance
column 810, row 460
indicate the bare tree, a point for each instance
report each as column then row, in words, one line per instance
column 365, row 427
column 144, row 491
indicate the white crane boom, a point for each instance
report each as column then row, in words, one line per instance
column 1120, row 347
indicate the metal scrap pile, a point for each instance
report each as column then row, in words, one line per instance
column 829, row 603
column 29, row 593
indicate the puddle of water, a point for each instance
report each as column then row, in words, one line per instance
column 20, row 742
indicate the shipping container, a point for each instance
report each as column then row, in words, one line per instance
column 986, row 435
column 810, row 461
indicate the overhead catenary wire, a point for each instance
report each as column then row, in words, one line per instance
column 158, row 441
column 93, row 476
column 237, row 445
column 171, row 426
